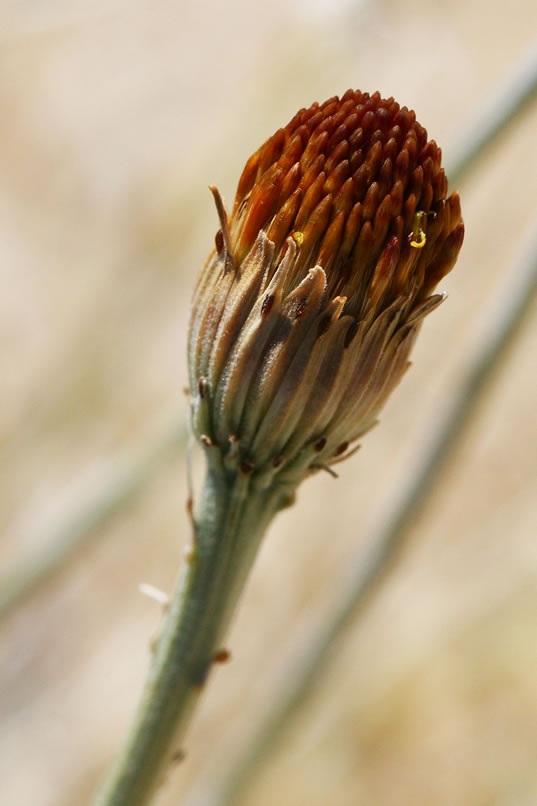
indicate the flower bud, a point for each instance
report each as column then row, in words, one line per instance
column 305, row 313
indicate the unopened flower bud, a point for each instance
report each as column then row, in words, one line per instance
column 305, row 313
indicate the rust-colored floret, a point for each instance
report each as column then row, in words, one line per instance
column 348, row 175
column 305, row 314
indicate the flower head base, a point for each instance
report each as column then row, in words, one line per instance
column 306, row 311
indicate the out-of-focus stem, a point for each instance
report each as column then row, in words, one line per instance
column 504, row 105
column 230, row 523
column 501, row 323
column 120, row 487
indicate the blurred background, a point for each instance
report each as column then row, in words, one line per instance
column 115, row 118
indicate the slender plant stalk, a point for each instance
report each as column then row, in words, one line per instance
column 231, row 520
column 506, row 103
column 501, row 324
column 121, row 487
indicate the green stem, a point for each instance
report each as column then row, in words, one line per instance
column 231, row 520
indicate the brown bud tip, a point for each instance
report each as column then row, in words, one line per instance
column 342, row 178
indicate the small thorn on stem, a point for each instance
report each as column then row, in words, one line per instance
column 207, row 441
column 178, row 756
column 222, row 656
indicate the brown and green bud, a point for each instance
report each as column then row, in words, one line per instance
column 305, row 313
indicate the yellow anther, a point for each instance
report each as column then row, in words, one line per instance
column 298, row 238
column 419, row 238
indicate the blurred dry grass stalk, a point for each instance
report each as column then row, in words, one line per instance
column 108, row 145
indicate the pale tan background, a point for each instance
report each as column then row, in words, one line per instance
column 115, row 118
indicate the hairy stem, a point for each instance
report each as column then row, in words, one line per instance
column 230, row 523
